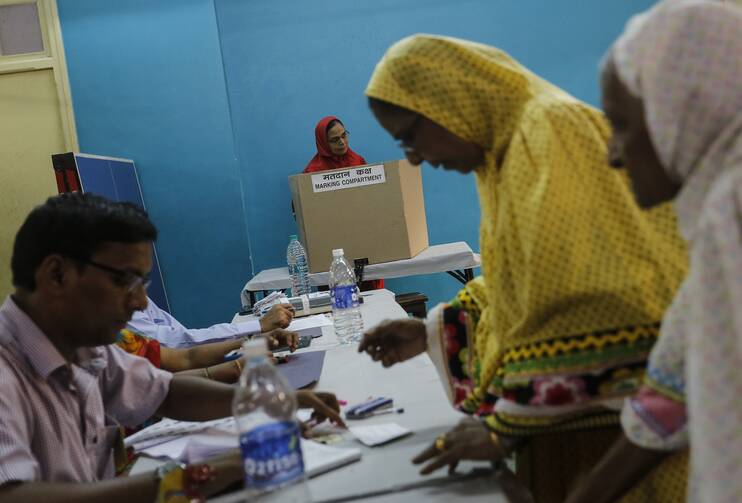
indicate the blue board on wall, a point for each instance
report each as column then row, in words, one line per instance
column 115, row 179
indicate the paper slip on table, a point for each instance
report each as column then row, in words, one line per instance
column 456, row 259
column 414, row 386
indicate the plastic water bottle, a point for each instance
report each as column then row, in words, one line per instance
column 346, row 311
column 296, row 258
column 264, row 409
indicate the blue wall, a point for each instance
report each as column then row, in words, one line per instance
column 148, row 84
column 290, row 63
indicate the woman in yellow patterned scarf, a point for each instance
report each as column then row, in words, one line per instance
column 575, row 278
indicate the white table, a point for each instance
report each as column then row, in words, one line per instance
column 415, row 386
column 457, row 259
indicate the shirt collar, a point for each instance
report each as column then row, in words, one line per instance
column 36, row 347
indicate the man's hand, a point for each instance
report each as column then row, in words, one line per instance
column 228, row 469
column 279, row 316
column 325, row 406
column 280, row 337
column 470, row 439
column 395, row 341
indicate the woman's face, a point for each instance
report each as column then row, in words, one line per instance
column 424, row 140
column 631, row 147
column 338, row 139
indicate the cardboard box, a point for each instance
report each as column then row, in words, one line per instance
column 374, row 211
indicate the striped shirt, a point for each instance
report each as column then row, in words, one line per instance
column 58, row 420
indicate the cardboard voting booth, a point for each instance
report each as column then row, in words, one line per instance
column 373, row 212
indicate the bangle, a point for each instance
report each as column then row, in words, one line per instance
column 208, row 374
column 195, row 477
column 170, row 481
column 238, row 365
column 178, row 483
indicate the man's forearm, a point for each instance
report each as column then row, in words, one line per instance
column 196, row 399
column 226, row 372
column 210, row 354
column 121, row 490
column 620, row 469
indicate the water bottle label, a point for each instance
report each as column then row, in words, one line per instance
column 344, row 297
column 271, row 455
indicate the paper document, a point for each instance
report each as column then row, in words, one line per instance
column 377, row 434
column 303, row 370
column 319, row 458
column 310, row 325
column 168, row 429
column 210, row 441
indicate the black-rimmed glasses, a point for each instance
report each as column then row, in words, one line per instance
column 126, row 279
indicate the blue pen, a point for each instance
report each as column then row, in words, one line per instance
column 232, row 355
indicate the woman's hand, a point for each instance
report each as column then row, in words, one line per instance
column 325, row 406
column 278, row 316
column 280, row 337
column 395, row 341
column 470, row 439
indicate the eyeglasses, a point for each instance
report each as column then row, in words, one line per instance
column 125, row 279
column 338, row 140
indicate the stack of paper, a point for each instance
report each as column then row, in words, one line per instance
column 170, row 429
column 193, row 442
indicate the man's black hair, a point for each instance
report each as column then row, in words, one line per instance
column 74, row 225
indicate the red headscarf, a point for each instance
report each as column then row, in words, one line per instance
column 325, row 159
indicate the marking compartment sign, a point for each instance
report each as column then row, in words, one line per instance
column 348, row 178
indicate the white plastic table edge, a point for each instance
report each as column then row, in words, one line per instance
column 387, row 270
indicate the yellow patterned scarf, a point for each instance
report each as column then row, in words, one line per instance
column 565, row 250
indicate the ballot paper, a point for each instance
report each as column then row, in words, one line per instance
column 377, row 434
column 169, row 429
column 191, row 445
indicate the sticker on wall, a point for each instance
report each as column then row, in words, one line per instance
column 348, row 178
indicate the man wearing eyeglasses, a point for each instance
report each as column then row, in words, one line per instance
column 80, row 267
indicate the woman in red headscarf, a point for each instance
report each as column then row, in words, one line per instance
column 333, row 151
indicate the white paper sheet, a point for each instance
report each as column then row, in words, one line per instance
column 377, row 434
column 168, row 429
column 196, row 447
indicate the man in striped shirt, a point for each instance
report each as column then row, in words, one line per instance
column 80, row 267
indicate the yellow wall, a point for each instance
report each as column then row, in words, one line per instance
column 30, row 132
column 36, row 121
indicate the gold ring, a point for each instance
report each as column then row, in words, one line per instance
column 440, row 443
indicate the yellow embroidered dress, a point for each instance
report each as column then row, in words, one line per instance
column 575, row 277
